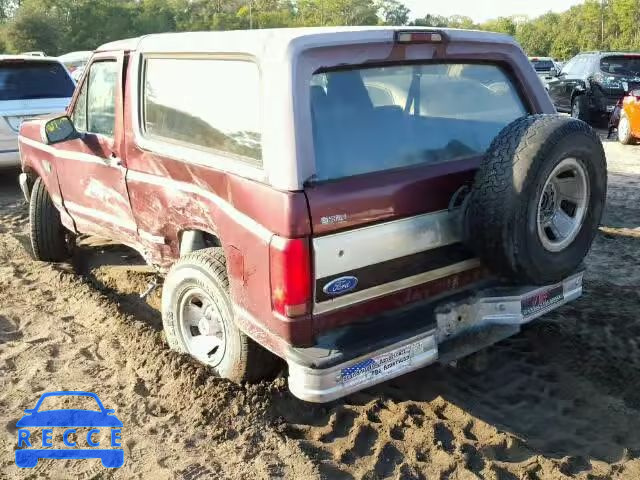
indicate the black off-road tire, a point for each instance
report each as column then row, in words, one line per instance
column 243, row 360
column 580, row 108
column 501, row 223
column 48, row 235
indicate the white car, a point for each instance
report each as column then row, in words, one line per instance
column 75, row 62
column 29, row 86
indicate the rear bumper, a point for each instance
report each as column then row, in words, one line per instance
column 446, row 332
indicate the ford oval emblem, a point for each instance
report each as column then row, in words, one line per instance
column 340, row 285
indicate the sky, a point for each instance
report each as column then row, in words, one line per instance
column 481, row 10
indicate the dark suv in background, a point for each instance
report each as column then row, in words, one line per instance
column 590, row 84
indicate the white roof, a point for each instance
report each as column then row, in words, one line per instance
column 274, row 42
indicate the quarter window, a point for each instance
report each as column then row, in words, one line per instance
column 207, row 104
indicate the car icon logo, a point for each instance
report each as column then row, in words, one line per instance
column 102, row 427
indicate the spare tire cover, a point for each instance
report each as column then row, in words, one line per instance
column 537, row 199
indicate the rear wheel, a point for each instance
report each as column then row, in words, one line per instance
column 624, row 130
column 198, row 319
column 50, row 241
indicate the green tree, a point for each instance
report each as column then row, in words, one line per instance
column 500, row 25
column 34, row 30
column 392, row 12
column 460, row 21
column 337, row 12
column 156, row 16
column 431, row 21
column 537, row 36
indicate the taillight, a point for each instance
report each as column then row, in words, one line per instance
column 419, row 37
column 290, row 271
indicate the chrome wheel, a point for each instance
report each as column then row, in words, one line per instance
column 563, row 205
column 201, row 326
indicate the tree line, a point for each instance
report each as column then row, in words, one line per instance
column 59, row 26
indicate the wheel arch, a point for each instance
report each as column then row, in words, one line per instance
column 193, row 239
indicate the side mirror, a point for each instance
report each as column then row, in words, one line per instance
column 59, row 129
column 553, row 72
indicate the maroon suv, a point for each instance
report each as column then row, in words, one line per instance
column 360, row 202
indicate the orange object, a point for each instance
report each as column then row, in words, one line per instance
column 629, row 126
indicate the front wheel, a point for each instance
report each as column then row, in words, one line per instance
column 198, row 319
column 50, row 241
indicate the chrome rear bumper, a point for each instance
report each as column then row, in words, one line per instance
column 504, row 309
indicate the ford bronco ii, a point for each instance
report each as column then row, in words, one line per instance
column 360, row 202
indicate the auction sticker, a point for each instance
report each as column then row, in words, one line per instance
column 383, row 365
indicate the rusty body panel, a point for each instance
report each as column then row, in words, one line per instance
column 147, row 200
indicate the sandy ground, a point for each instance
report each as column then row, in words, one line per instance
column 561, row 400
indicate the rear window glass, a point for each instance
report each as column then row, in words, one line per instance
column 29, row 80
column 621, row 65
column 542, row 65
column 204, row 103
column 382, row 118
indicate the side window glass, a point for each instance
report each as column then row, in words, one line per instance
column 79, row 115
column 207, row 104
column 101, row 98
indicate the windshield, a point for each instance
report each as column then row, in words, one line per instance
column 542, row 65
column 621, row 65
column 373, row 119
column 29, row 80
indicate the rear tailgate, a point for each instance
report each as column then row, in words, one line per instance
column 387, row 241
column 396, row 150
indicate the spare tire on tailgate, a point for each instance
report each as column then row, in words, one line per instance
column 537, row 199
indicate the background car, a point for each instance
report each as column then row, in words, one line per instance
column 29, row 86
column 75, row 62
column 629, row 124
column 543, row 67
column 590, row 84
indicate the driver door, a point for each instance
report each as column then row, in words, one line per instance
column 558, row 86
column 91, row 169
